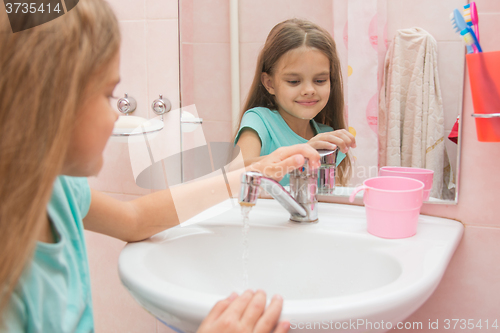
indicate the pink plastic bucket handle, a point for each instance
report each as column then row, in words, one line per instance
column 356, row 190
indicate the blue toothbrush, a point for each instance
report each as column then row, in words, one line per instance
column 459, row 25
column 476, row 42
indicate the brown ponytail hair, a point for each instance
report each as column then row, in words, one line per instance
column 45, row 74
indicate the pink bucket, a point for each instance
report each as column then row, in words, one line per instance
column 424, row 175
column 392, row 205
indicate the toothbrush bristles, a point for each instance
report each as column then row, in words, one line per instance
column 467, row 16
column 454, row 23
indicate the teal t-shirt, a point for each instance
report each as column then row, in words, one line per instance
column 53, row 293
column 274, row 132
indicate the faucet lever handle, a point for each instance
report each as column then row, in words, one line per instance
column 327, row 171
column 303, row 171
column 328, row 157
column 249, row 191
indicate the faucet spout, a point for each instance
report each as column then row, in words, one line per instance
column 299, row 211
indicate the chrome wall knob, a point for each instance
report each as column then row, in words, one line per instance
column 126, row 104
column 161, row 105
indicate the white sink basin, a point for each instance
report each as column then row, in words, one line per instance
column 332, row 272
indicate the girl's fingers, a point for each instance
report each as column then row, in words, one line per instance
column 219, row 308
column 346, row 136
column 339, row 142
column 321, row 136
column 254, row 309
column 304, row 149
column 247, row 312
column 323, row 145
column 341, row 138
column 268, row 321
column 286, row 159
column 238, row 306
column 278, row 170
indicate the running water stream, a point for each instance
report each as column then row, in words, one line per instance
column 245, row 210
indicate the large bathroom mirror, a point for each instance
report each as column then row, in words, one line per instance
column 220, row 41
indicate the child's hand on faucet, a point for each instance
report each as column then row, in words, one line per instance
column 245, row 313
column 342, row 139
column 286, row 159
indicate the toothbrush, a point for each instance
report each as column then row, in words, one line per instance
column 476, row 42
column 470, row 39
column 475, row 19
column 471, row 17
column 459, row 25
column 466, row 15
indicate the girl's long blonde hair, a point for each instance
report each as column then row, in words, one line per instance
column 46, row 72
column 289, row 35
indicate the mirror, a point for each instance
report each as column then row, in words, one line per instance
column 220, row 43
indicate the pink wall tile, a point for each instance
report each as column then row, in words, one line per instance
column 206, row 29
column 320, row 13
column 116, row 174
column 488, row 29
column 470, row 286
column 114, row 308
column 487, row 6
column 128, row 9
column 186, row 21
column 187, row 70
column 258, row 17
column 133, row 65
column 435, row 21
column 162, row 44
column 249, row 52
column 450, row 62
column 339, row 18
column 161, row 9
column 217, row 131
column 212, row 79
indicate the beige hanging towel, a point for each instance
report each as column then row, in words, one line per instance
column 411, row 117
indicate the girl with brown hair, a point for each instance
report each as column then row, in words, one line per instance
column 55, row 119
column 296, row 96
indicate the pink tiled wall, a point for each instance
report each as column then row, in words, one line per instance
column 205, row 79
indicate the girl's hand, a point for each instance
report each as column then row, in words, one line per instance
column 331, row 140
column 245, row 313
column 286, row 159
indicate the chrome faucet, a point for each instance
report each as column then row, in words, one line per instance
column 302, row 200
